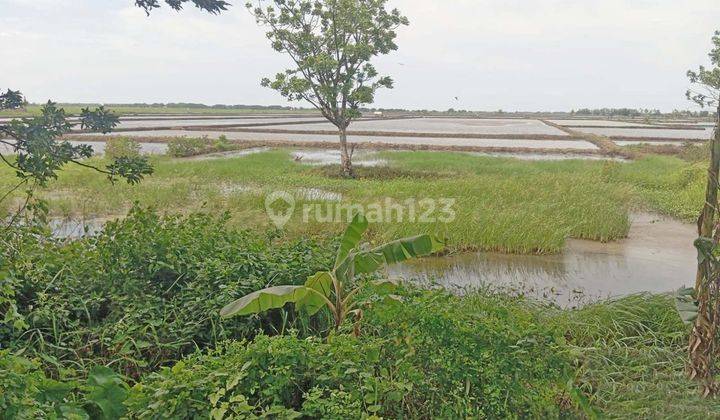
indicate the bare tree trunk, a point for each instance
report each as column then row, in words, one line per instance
column 345, row 155
column 704, row 334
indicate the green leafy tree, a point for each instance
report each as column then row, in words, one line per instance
column 704, row 340
column 39, row 152
column 331, row 43
column 212, row 6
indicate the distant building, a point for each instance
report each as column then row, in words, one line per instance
column 378, row 113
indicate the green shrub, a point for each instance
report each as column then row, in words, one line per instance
column 281, row 376
column 692, row 152
column 476, row 356
column 121, row 147
column 147, row 290
column 222, row 144
column 187, row 146
column 193, row 146
column 26, row 393
column 434, row 356
column 21, row 382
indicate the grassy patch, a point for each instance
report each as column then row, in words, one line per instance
column 501, row 204
column 634, row 353
column 665, row 184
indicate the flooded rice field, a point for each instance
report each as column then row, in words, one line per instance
column 650, row 133
column 229, row 155
column 152, row 117
column 606, row 123
column 442, row 125
column 234, row 122
column 527, row 136
column 657, row 256
column 325, row 138
column 99, row 147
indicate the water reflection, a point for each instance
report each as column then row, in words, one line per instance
column 657, row 257
column 75, row 228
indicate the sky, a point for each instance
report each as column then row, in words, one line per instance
column 515, row 55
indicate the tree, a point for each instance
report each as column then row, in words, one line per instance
column 39, row 153
column 704, row 336
column 331, row 43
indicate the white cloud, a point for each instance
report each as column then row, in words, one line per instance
column 511, row 54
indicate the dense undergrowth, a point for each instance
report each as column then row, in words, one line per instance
column 144, row 292
column 126, row 325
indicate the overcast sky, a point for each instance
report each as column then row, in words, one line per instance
column 492, row 54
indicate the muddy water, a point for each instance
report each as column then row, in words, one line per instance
column 332, row 157
column 76, row 228
column 229, row 155
column 658, row 256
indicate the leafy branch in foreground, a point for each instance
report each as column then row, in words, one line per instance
column 39, row 152
column 35, row 142
column 212, row 6
column 331, row 289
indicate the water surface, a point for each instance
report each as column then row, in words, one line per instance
column 650, row 133
column 443, row 125
column 323, row 138
column 658, row 256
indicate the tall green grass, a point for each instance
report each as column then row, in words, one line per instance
column 632, row 354
column 501, row 204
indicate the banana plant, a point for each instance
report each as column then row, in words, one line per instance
column 331, row 288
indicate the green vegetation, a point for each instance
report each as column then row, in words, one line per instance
column 431, row 356
column 332, row 44
column 193, row 146
column 551, row 200
column 333, row 289
column 40, row 153
column 143, row 299
column 122, row 147
column 143, row 292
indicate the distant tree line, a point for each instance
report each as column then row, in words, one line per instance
column 632, row 112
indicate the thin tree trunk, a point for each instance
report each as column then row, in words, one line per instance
column 345, row 157
column 704, row 334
